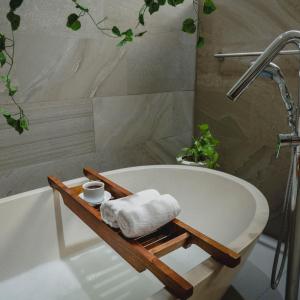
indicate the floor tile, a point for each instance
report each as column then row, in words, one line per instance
column 253, row 281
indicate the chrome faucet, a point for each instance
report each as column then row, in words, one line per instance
column 263, row 66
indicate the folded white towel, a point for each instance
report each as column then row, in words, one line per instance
column 110, row 209
column 147, row 217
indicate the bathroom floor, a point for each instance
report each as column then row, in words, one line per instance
column 253, row 282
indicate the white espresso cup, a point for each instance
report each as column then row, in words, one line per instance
column 93, row 192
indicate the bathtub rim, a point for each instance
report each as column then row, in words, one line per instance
column 207, row 267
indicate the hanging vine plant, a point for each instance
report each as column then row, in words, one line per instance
column 19, row 120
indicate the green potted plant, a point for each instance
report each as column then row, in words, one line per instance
column 203, row 152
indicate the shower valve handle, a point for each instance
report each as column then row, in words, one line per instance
column 287, row 139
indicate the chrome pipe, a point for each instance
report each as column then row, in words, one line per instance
column 262, row 61
column 293, row 269
column 252, row 54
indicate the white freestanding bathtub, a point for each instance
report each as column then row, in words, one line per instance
column 47, row 253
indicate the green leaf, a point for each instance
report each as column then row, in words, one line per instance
column 14, row 20
column 203, row 127
column 200, row 42
column 189, row 26
column 208, row 150
column 2, row 59
column 128, row 35
column 24, row 123
column 162, row 2
column 209, row 7
column 73, row 22
column 12, row 90
column 3, row 111
column 4, row 79
column 2, row 42
column 128, row 38
column 140, row 34
column 10, row 120
column 14, row 4
column 141, row 19
column 115, row 30
column 153, row 7
column 19, row 127
column 18, row 124
column 175, row 2
column 13, row 123
column 148, row 2
column 7, row 82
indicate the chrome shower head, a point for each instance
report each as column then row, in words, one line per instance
column 262, row 62
column 272, row 71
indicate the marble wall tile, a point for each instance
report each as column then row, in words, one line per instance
column 74, row 85
column 18, row 180
column 165, row 62
column 40, row 16
column 54, row 63
column 132, row 120
column 166, row 149
column 248, row 128
column 57, row 68
column 57, row 130
column 155, row 151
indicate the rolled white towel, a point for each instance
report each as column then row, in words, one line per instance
column 147, row 217
column 110, row 209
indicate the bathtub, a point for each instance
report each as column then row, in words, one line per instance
column 47, row 253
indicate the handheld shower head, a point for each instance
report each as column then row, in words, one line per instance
column 263, row 61
column 272, row 71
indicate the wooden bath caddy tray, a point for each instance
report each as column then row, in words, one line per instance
column 144, row 252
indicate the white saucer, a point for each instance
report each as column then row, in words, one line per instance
column 107, row 196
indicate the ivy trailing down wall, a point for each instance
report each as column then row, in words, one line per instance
column 18, row 120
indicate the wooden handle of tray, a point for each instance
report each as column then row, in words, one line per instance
column 219, row 252
column 173, row 282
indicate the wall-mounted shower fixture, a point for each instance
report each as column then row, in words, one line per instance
column 262, row 61
column 272, row 71
column 222, row 56
column 291, row 229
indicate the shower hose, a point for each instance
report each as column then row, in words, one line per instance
column 289, row 200
column 283, row 239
